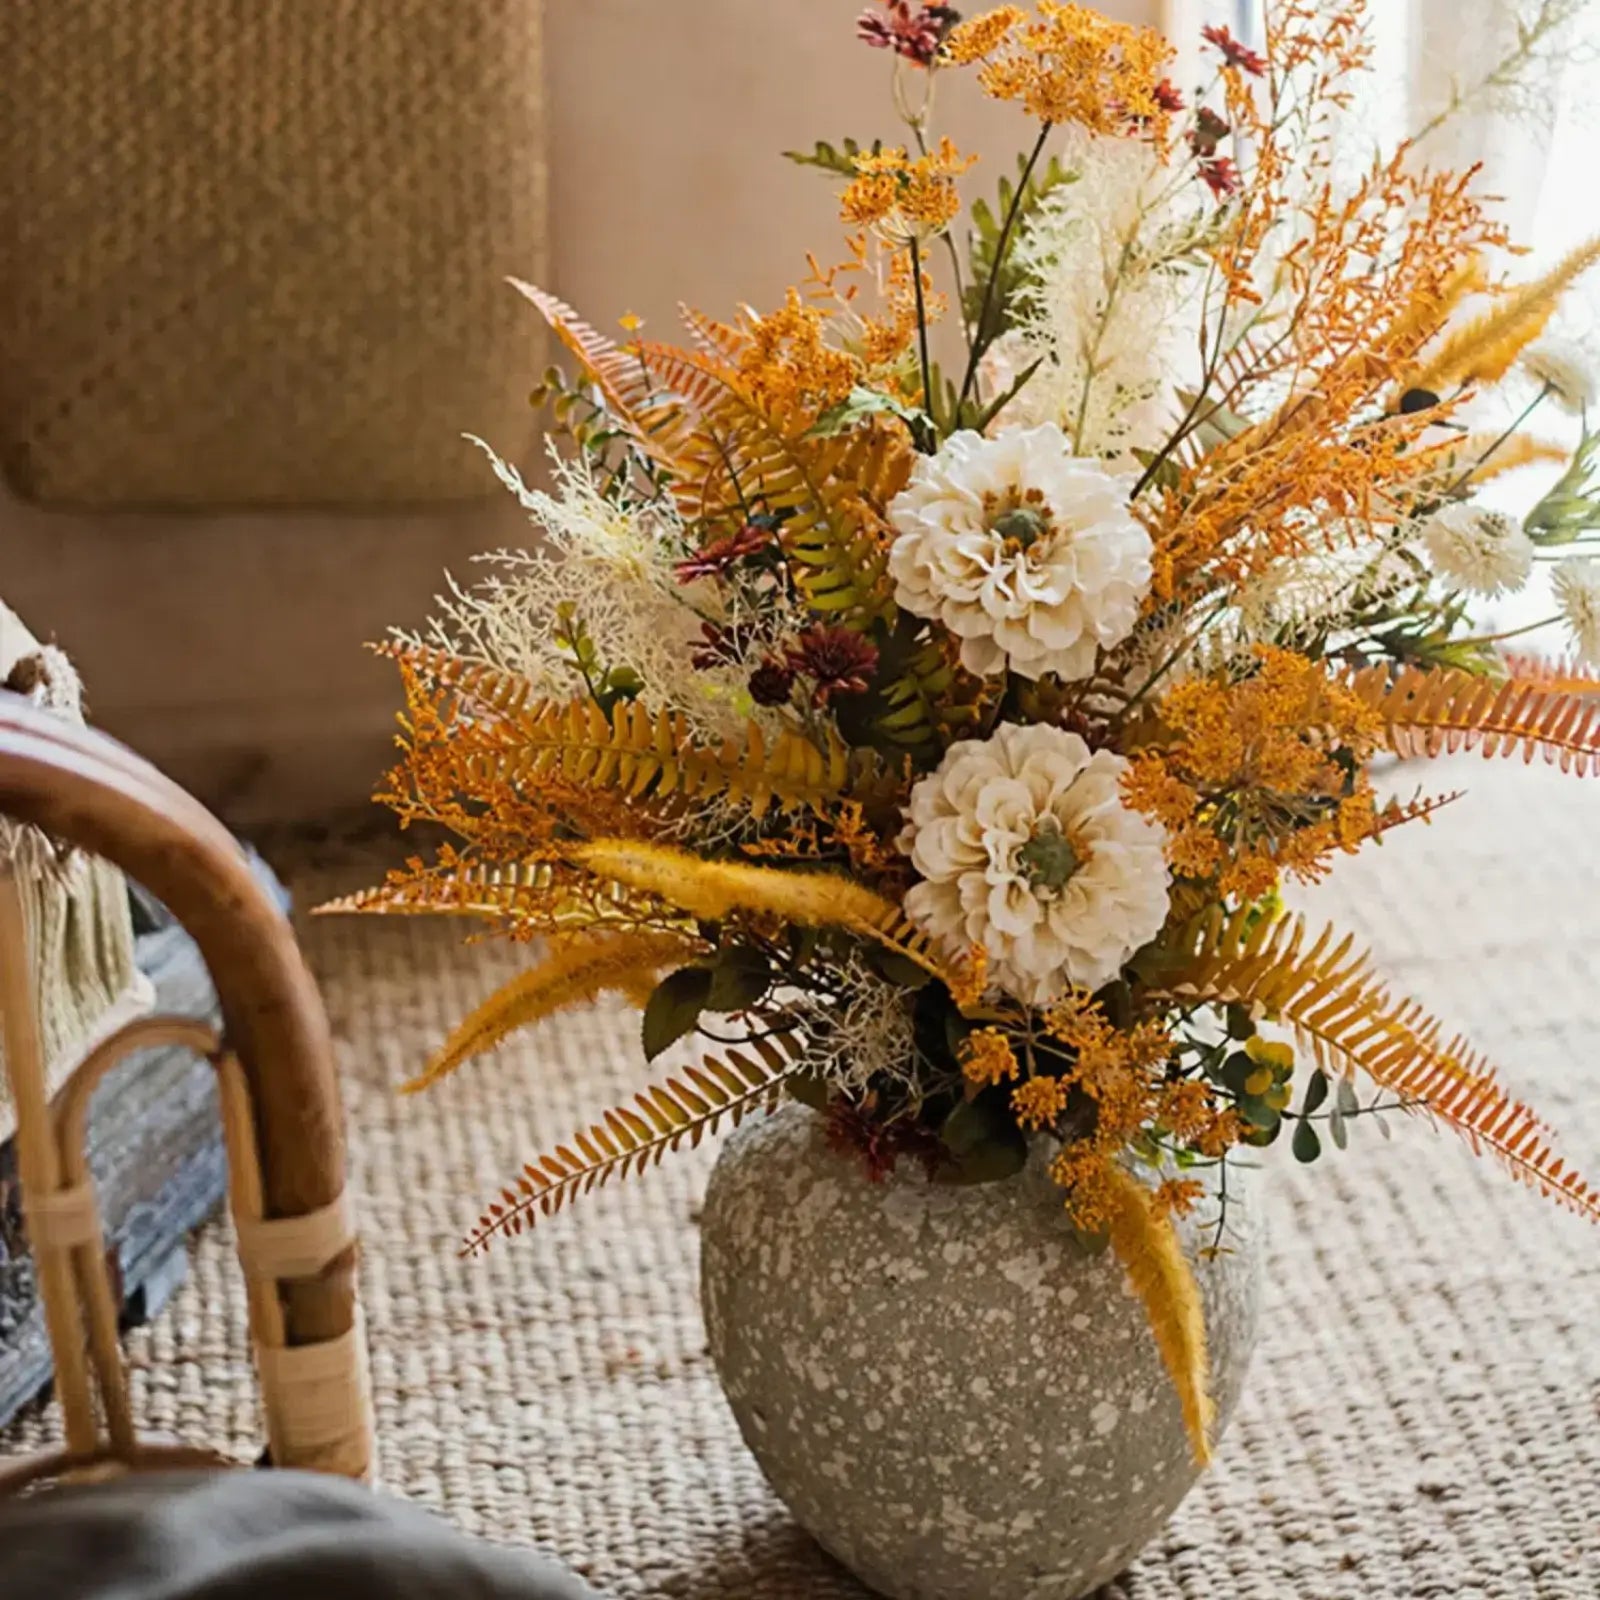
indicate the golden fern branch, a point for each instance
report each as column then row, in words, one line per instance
column 1147, row 1245
column 1431, row 713
column 630, row 1138
column 531, row 898
column 574, row 972
column 1347, row 1021
column 1561, row 675
column 832, row 492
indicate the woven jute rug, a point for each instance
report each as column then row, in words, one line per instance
column 1423, row 1417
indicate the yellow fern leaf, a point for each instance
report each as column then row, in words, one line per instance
column 712, row 889
column 631, row 1137
column 530, row 898
column 1148, row 1247
column 1346, row 1021
column 1484, row 350
column 573, row 973
column 1431, row 713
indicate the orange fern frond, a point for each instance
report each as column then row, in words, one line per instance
column 612, row 369
column 484, row 687
column 1420, row 809
column 1325, row 991
column 632, row 1137
column 718, row 339
column 1147, row 1245
column 530, row 898
column 832, row 492
column 1563, row 675
column 1432, row 713
column 575, row 972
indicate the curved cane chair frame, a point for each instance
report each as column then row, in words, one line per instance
column 280, row 1111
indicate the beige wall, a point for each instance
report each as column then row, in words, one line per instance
column 229, row 648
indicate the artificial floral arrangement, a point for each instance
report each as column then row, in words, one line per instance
column 928, row 727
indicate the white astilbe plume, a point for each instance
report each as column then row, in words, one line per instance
column 1105, row 295
column 611, row 562
column 862, row 1034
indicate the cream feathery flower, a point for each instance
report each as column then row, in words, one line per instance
column 1025, row 847
column 1028, row 554
column 1576, row 582
column 1567, row 369
column 1486, row 552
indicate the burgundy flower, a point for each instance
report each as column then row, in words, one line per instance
column 721, row 646
column 913, row 32
column 856, row 1130
column 1233, row 52
column 1208, row 132
column 772, row 683
column 837, row 660
column 1221, row 176
column 714, row 559
column 1168, row 95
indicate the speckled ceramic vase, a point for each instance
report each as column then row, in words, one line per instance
column 951, row 1396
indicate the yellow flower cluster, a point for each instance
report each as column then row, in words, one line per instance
column 1070, row 64
column 1123, row 1071
column 904, row 199
column 987, row 1058
column 1259, row 776
column 1038, row 1102
column 789, row 363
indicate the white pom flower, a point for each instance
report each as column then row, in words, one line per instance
column 1028, row 554
column 1565, row 368
column 1486, row 552
column 1576, row 582
column 1025, row 847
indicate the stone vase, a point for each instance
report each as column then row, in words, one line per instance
column 954, row 1397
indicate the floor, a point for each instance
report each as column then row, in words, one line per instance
column 1423, row 1416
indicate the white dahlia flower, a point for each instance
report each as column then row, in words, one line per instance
column 1486, row 552
column 1576, row 582
column 1566, row 369
column 1025, row 847
column 1027, row 553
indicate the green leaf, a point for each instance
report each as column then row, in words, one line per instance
column 861, row 403
column 1316, row 1093
column 674, row 1007
column 739, row 978
column 895, row 968
column 1307, row 1146
column 984, row 1140
column 839, row 159
column 809, row 1089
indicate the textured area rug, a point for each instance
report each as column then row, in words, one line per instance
column 1423, row 1418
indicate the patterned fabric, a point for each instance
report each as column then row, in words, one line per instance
column 1419, row 1421
column 253, row 254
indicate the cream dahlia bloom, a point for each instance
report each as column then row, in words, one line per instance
column 1486, row 552
column 1576, row 582
column 1028, row 554
column 1025, row 847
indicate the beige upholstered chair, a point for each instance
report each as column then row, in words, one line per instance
column 280, row 1110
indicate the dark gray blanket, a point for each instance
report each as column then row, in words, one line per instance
column 252, row 1536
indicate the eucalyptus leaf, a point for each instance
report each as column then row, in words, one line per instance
column 1316, row 1093
column 673, row 1009
column 739, row 978
column 1307, row 1146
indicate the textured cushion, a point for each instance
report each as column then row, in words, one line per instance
column 255, row 1536
column 253, row 253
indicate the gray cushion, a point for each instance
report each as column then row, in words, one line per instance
column 253, row 1536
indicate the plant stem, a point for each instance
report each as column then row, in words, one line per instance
column 980, row 340
column 922, row 328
